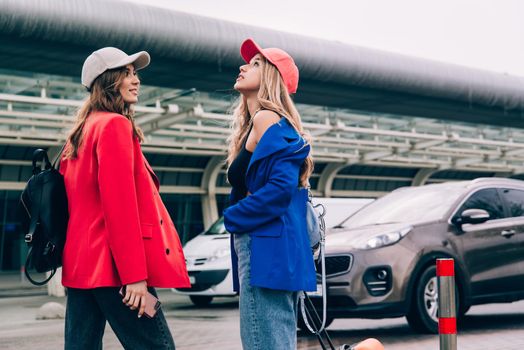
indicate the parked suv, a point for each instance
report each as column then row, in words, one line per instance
column 381, row 260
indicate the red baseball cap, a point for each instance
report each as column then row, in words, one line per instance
column 279, row 58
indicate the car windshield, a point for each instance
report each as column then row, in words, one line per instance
column 415, row 204
column 217, row 228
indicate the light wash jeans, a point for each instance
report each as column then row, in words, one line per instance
column 268, row 318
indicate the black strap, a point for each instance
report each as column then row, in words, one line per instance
column 29, row 237
column 313, row 315
column 26, row 271
column 35, row 211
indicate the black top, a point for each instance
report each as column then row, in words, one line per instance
column 236, row 173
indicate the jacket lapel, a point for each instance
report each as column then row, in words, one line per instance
column 153, row 175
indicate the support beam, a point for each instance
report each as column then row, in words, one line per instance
column 208, row 185
column 12, row 186
column 463, row 162
column 372, row 177
column 513, row 152
column 158, row 121
column 427, row 144
column 29, row 142
column 181, row 189
column 366, row 157
column 359, row 194
column 64, row 102
column 15, row 162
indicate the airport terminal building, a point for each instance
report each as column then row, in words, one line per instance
column 379, row 121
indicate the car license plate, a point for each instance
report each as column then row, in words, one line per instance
column 318, row 293
column 192, row 279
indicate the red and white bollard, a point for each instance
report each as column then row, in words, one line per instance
column 447, row 322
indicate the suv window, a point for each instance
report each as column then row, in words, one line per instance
column 487, row 199
column 514, row 200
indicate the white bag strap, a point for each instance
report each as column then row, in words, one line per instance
column 322, row 257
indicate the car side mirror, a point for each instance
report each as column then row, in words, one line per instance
column 472, row 216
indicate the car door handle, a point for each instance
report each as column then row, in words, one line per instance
column 507, row 233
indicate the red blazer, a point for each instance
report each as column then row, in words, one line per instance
column 119, row 230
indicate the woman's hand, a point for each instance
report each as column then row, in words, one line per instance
column 135, row 296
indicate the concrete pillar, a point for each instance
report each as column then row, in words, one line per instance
column 422, row 176
column 209, row 201
column 325, row 182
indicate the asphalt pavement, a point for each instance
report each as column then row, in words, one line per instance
column 487, row 327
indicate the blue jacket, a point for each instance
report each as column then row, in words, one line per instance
column 275, row 213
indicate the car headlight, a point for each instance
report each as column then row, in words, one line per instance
column 383, row 239
column 220, row 253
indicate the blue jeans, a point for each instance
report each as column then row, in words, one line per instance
column 86, row 314
column 267, row 317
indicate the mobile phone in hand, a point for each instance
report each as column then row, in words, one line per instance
column 152, row 303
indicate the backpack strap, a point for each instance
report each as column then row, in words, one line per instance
column 26, row 272
column 302, row 295
column 35, row 211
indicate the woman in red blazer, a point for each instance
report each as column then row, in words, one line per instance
column 119, row 231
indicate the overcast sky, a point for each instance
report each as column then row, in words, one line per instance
column 487, row 34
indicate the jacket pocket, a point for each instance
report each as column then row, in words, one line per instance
column 271, row 229
column 147, row 230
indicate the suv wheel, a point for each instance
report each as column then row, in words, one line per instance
column 201, row 300
column 423, row 313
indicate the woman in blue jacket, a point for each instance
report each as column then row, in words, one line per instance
column 269, row 167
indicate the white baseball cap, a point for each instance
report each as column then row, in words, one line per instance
column 109, row 58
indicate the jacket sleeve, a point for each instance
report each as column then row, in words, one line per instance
column 268, row 202
column 119, row 200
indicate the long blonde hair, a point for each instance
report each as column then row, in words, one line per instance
column 273, row 96
column 104, row 96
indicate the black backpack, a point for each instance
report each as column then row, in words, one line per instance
column 44, row 215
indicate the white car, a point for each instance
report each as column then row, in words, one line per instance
column 338, row 209
column 208, row 259
column 208, row 255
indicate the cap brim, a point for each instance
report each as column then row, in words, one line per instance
column 139, row 60
column 249, row 49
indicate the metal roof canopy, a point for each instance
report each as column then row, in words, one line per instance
column 55, row 36
column 39, row 109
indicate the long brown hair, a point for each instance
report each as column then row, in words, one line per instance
column 104, row 96
column 273, row 96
